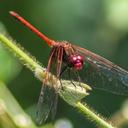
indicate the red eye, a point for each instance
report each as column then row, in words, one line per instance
column 75, row 61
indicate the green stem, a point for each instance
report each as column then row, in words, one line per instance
column 16, row 50
column 92, row 116
column 67, row 94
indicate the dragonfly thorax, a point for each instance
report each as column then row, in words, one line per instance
column 75, row 61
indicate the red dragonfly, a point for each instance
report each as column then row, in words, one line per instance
column 80, row 64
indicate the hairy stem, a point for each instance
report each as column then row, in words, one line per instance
column 92, row 116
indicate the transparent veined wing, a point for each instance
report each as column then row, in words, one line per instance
column 100, row 73
column 47, row 104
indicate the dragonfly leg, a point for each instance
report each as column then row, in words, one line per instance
column 76, row 73
column 69, row 73
column 61, row 73
column 79, row 79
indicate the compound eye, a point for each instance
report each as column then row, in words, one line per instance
column 76, row 61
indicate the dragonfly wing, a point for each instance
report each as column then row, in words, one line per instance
column 47, row 104
column 102, row 74
column 54, row 106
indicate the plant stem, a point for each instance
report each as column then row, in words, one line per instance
column 17, row 51
column 40, row 73
column 92, row 116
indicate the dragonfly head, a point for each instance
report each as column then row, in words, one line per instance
column 75, row 61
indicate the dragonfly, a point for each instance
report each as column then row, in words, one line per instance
column 79, row 63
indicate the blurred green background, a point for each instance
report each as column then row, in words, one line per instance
column 98, row 25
